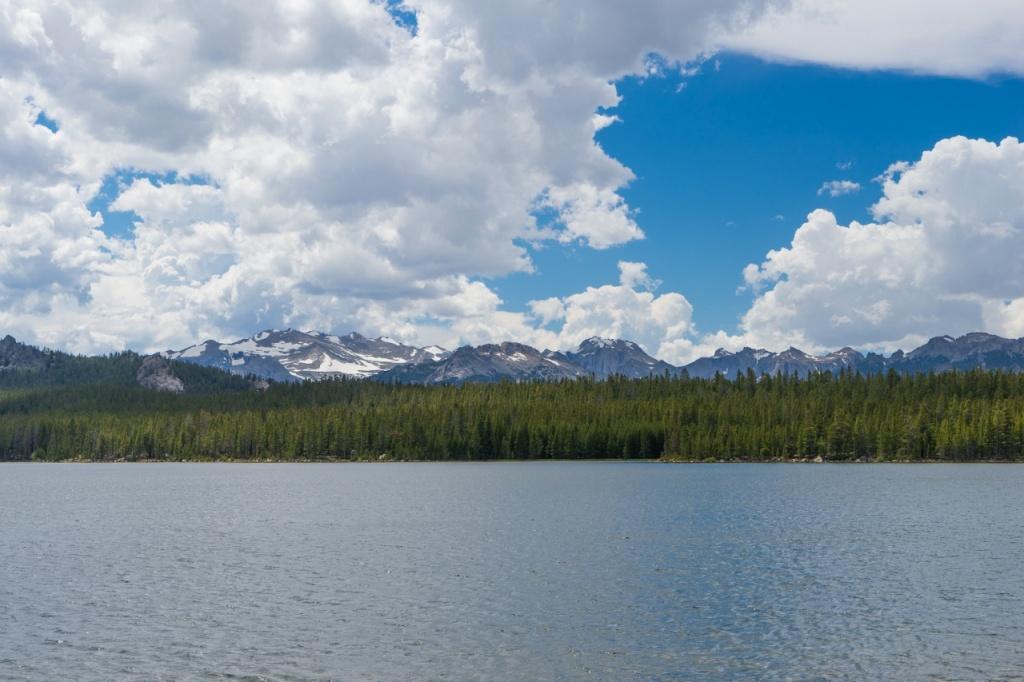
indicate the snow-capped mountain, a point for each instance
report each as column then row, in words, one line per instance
column 490, row 362
column 597, row 357
column 291, row 355
column 940, row 354
column 602, row 358
column 791, row 361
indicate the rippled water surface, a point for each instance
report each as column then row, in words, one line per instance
column 608, row 571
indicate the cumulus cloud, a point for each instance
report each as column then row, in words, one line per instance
column 634, row 276
column 50, row 244
column 941, row 258
column 352, row 173
column 600, row 218
column 952, row 38
column 838, row 188
column 629, row 310
column 661, row 323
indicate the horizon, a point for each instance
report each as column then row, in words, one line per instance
column 718, row 352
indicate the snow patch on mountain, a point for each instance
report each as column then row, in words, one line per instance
column 291, row 355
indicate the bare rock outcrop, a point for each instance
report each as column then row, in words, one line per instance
column 15, row 355
column 155, row 373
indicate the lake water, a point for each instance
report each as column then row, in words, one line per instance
column 521, row 571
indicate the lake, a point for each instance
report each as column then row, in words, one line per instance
column 511, row 571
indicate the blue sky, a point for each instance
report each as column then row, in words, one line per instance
column 721, row 154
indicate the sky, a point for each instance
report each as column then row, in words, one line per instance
column 688, row 175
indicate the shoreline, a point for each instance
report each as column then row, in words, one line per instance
column 510, row 461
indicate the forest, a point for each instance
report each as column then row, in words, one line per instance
column 956, row 416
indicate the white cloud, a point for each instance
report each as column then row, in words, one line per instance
column 661, row 324
column 600, row 218
column 634, row 276
column 943, row 258
column 839, row 188
column 50, row 246
column 357, row 175
column 170, row 204
column 629, row 311
column 953, row 38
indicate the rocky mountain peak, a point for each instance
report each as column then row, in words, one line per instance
column 602, row 358
column 16, row 355
column 291, row 355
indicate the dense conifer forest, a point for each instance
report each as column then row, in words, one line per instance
column 955, row 416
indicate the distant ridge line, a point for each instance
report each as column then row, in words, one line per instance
column 292, row 355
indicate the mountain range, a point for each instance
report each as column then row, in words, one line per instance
column 292, row 355
column 976, row 350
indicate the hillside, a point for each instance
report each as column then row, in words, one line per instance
column 952, row 416
column 26, row 367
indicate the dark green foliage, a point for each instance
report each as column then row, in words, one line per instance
column 56, row 369
column 955, row 416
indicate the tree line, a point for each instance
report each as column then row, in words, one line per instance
column 976, row 415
